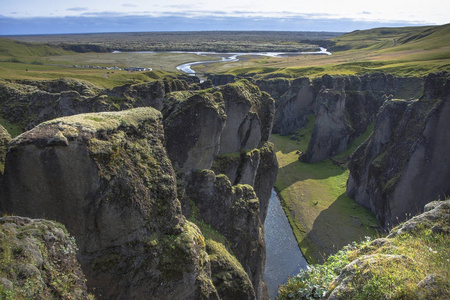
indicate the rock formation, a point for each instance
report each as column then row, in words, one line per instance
column 106, row 176
column 405, row 163
column 354, row 277
column 217, row 141
column 32, row 102
column 38, row 261
column 343, row 106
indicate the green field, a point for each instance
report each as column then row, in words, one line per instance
column 323, row 217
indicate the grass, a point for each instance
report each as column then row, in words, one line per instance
column 391, row 269
column 313, row 196
column 13, row 129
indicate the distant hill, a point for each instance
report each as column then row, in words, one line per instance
column 13, row 49
column 403, row 38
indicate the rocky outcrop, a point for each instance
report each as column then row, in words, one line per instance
column 294, row 106
column 404, row 164
column 217, row 142
column 222, row 79
column 38, row 261
column 343, row 107
column 106, row 176
column 275, row 87
column 32, row 102
column 359, row 273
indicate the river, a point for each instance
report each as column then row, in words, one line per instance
column 283, row 256
column 231, row 57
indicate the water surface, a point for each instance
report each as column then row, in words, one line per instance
column 283, row 257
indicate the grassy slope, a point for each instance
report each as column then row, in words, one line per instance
column 418, row 51
column 426, row 253
column 335, row 220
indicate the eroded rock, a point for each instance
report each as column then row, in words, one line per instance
column 404, row 164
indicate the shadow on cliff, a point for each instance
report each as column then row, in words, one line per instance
column 342, row 223
column 298, row 171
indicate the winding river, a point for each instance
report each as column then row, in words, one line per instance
column 231, row 57
column 283, row 256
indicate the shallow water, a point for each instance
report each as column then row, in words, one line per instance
column 283, row 257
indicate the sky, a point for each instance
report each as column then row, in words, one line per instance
column 76, row 16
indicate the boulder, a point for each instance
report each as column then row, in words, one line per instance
column 38, row 261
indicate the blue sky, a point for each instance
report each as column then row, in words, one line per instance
column 75, row 16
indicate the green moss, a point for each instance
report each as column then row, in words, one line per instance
column 388, row 268
column 107, row 121
column 13, row 129
column 229, row 276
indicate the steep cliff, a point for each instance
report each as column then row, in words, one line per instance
column 405, row 163
column 217, row 142
column 106, row 176
column 343, row 106
column 31, row 102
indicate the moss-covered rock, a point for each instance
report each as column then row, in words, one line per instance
column 107, row 177
column 411, row 263
column 38, row 261
column 29, row 103
column 229, row 277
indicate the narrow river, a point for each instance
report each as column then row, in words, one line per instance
column 283, row 257
column 231, row 57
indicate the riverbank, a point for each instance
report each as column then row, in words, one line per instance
column 313, row 197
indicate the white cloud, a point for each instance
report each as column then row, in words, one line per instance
column 432, row 12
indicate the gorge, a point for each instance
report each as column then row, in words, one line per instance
column 166, row 185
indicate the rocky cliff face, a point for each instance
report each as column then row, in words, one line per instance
column 217, row 140
column 38, row 261
column 343, row 106
column 32, row 102
column 405, row 163
column 108, row 178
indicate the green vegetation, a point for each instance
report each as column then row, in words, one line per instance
column 408, row 51
column 386, row 268
column 37, row 261
column 13, row 129
column 322, row 216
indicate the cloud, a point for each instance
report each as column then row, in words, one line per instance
column 77, row 9
column 112, row 22
column 129, row 5
column 366, row 13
